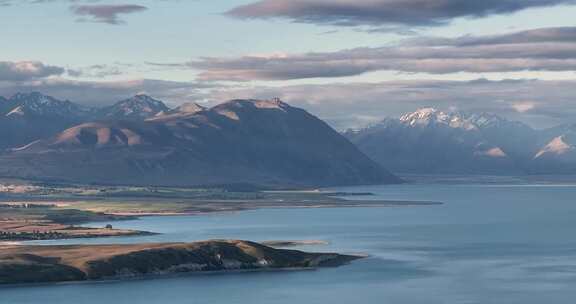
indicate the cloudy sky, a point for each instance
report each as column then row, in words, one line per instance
column 351, row 62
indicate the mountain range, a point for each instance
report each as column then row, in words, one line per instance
column 430, row 141
column 26, row 117
column 142, row 141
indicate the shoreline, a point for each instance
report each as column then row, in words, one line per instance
column 352, row 204
column 42, row 218
column 21, row 265
column 294, row 243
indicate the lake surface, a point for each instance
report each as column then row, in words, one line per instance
column 487, row 244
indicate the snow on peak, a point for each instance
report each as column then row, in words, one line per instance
column 141, row 106
column 40, row 104
column 35, row 99
column 143, row 103
column 419, row 115
column 432, row 116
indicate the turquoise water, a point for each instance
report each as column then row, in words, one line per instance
column 486, row 244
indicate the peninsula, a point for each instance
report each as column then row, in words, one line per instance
column 50, row 264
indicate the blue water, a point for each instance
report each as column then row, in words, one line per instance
column 486, row 244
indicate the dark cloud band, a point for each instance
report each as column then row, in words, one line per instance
column 384, row 12
column 551, row 49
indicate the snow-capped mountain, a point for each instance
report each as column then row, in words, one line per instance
column 433, row 141
column 264, row 142
column 519, row 141
column 429, row 117
column 25, row 117
column 425, row 141
column 42, row 105
column 136, row 108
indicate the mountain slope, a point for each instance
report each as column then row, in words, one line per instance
column 182, row 111
column 518, row 140
column 4, row 106
column 557, row 153
column 28, row 117
column 435, row 142
column 136, row 108
column 242, row 141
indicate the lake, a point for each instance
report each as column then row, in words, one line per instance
column 487, row 244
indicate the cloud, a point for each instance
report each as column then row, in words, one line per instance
column 88, row 12
column 541, row 35
column 109, row 14
column 384, row 12
column 96, row 71
column 27, row 70
column 16, row 2
column 547, row 49
column 536, row 102
column 107, row 92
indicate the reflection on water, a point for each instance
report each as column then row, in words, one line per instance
column 487, row 244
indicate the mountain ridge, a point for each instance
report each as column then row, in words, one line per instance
column 135, row 108
column 240, row 141
column 431, row 141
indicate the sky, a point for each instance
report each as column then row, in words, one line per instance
column 350, row 62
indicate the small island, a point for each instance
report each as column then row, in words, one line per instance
column 50, row 264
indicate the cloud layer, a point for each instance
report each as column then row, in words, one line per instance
column 537, row 102
column 107, row 92
column 549, row 49
column 541, row 35
column 384, row 12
